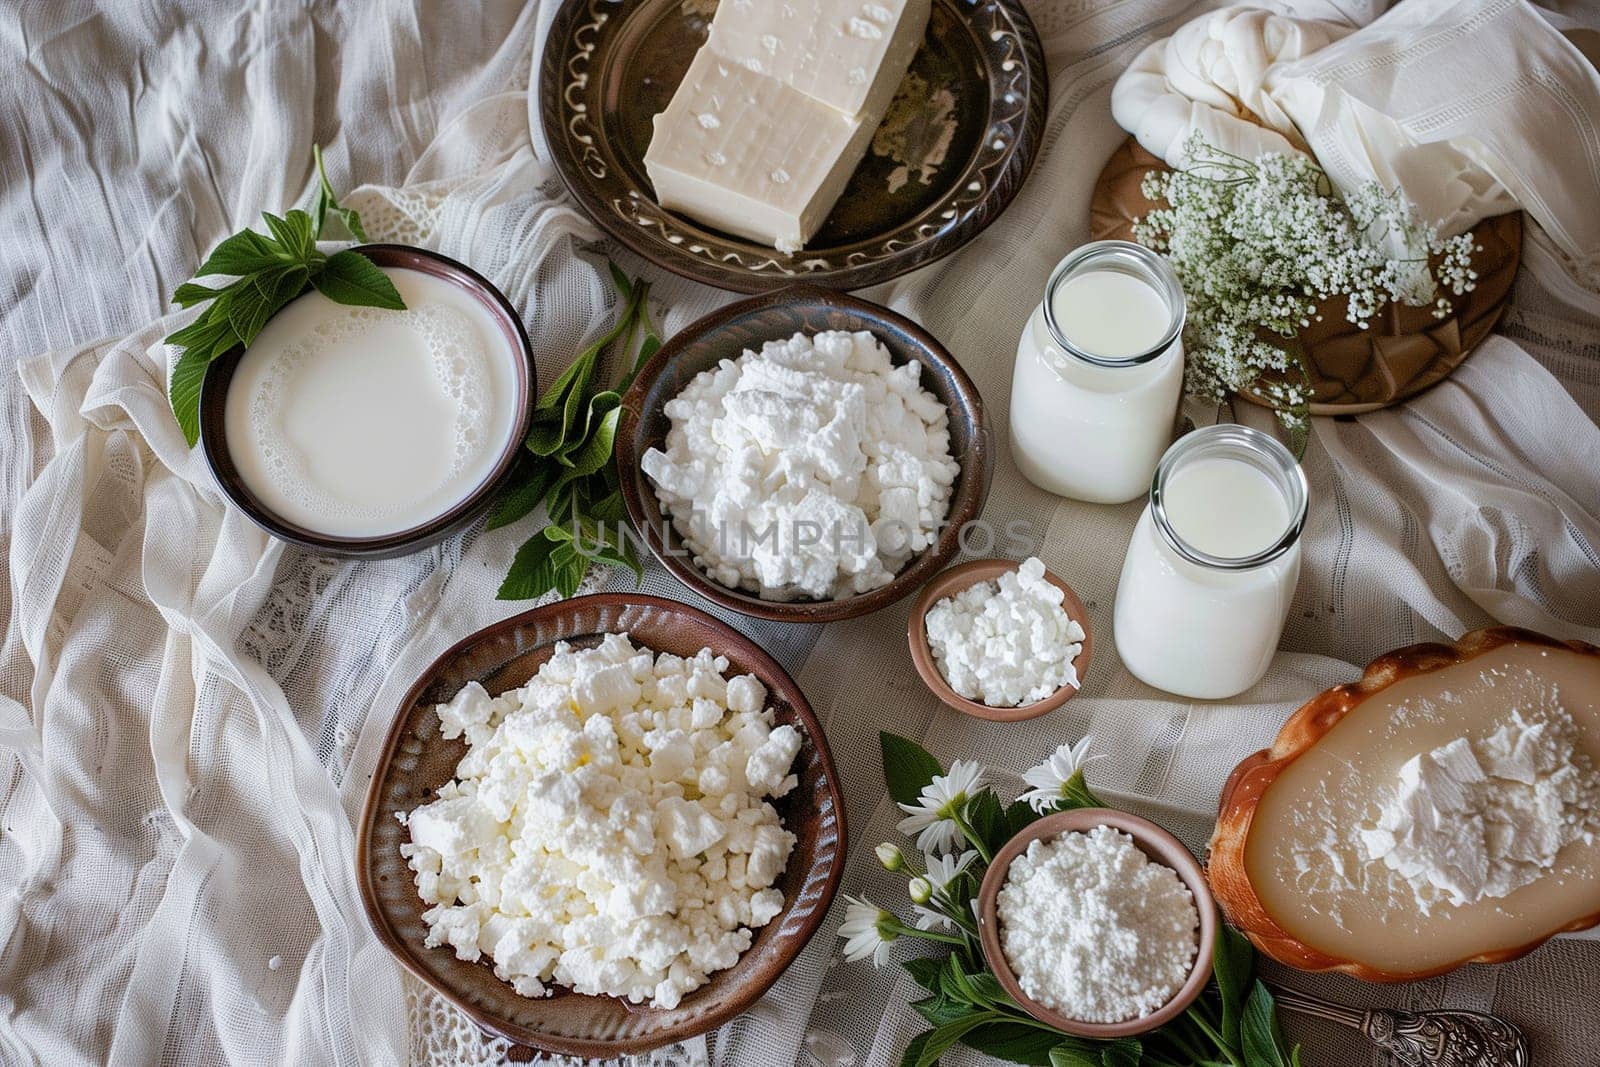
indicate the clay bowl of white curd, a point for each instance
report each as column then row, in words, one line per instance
column 364, row 432
column 1098, row 923
column 614, row 867
column 1046, row 637
column 803, row 456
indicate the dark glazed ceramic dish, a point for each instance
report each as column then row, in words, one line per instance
column 1154, row 842
column 726, row 333
column 954, row 581
column 214, row 437
column 954, row 149
column 416, row 761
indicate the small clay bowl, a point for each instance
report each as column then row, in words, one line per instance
column 214, row 436
column 416, row 760
column 954, row 581
column 726, row 334
column 1156, row 843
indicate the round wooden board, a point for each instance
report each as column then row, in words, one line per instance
column 954, row 149
column 1404, row 351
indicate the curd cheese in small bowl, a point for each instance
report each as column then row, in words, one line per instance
column 1098, row 923
column 1000, row 640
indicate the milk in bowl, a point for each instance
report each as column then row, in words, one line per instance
column 359, row 422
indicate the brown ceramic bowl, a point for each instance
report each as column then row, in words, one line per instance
column 214, row 437
column 725, row 334
column 954, row 581
column 416, row 761
column 1156, row 843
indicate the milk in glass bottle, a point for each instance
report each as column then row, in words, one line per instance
column 1098, row 375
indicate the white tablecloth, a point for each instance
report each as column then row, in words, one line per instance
column 189, row 713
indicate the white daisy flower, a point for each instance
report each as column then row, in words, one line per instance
column 941, row 869
column 1050, row 778
column 867, row 930
column 932, row 818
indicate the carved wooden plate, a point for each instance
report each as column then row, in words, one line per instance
column 416, row 761
column 954, row 149
column 1403, row 352
column 1247, row 788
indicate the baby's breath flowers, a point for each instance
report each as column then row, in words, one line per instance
column 1260, row 245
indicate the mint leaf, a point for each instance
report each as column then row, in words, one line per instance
column 1260, row 1037
column 351, row 278
column 188, row 375
column 987, row 818
column 244, row 253
column 526, row 491
column 328, row 203
column 293, row 233
column 533, row 572
column 907, row 767
column 925, row 1049
column 1123, row 1052
column 1013, row 1042
column 190, row 293
column 1074, row 1053
column 924, row 971
column 1233, row 966
column 939, row 1010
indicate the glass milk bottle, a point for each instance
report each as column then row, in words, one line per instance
column 1098, row 375
column 1212, row 566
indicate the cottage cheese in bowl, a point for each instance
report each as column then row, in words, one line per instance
column 812, row 469
column 609, row 828
column 1008, row 642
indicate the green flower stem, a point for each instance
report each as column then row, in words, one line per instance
column 972, row 837
column 900, row 929
column 1222, row 1045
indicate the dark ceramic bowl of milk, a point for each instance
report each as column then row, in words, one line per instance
column 364, row 432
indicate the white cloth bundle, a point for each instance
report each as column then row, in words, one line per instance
column 1472, row 107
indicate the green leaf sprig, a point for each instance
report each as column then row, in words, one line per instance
column 269, row 270
column 1233, row 1024
column 567, row 463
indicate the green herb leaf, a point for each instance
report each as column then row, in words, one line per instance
column 1073, row 1053
column 1233, row 966
column 244, row 253
column 294, row 233
column 925, row 1049
column 924, row 971
column 1260, row 1037
column 907, row 767
column 987, row 818
column 349, row 277
column 188, row 375
column 1123, row 1052
column 527, row 489
column 1019, row 816
column 1013, row 1042
column 328, row 203
column 191, row 293
column 939, row 1010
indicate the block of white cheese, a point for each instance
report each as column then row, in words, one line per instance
column 778, row 109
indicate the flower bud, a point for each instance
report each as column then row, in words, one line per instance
column 920, row 890
column 891, row 857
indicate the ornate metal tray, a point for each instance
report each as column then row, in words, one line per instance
column 952, row 152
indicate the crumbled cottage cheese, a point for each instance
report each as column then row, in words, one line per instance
column 606, row 828
column 1484, row 817
column 1094, row 929
column 813, row 468
column 1006, row 643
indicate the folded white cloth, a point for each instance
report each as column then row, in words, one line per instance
column 1472, row 107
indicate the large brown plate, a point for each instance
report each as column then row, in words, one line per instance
column 954, row 149
column 1403, row 352
column 416, row 761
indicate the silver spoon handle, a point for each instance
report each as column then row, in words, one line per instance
column 1443, row 1038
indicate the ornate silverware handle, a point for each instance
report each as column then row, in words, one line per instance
column 1443, row 1038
